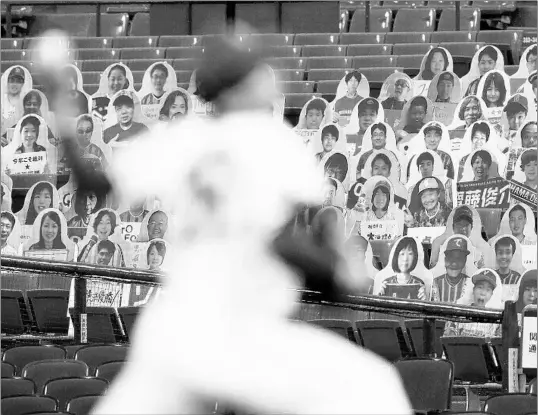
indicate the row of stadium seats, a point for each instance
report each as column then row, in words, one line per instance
column 47, row 405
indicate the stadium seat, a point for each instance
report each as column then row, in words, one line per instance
column 316, row 39
column 510, row 69
column 273, row 39
column 495, row 6
column 183, row 53
column 76, row 24
column 185, row 64
column 369, row 50
column 297, row 101
column 282, row 51
column 71, row 350
column 112, row 24
column 142, row 53
column 140, row 25
column 20, row 356
column 259, row 15
column 326, row 50
column 452, row 36
column 17, row 387
column 98, row 54
column 95, row 355
column 469, row 20
column 380, row 21
column 179, row 41
column 326, row 74
column 283, row 75
column 440, row 4
column 208, row 18
column 91, row 42
column 301, row 17
column 381, row 249
column 68, row 388
column 415, row 331
column 82, row 405
column 497, row 344
column 287, row 63
column 49, row 307
column 89, row 78
column 109, row 370
column 414, row 20
column 23, row 405
column 428, row 382
column 329, row 63
column 8, row 370
column 512, row 38
column 96, row 65
column 511, row 404
column 7, row 44
column 300, row 87
column 407, row 37
column 91, row 89
column 327, row 87
column 103, row 324
column 472, row 359
column 43, row 371
column 14, row 54
column 183, row 77
column 360, row 62
column 467, row 49
column 135, row 42
column 140, row 64
column 362, row 39
column 384, row 337
column 409, row 61
column 412, row 48
column 342, row 328
column 491, row 219
column 14, row 312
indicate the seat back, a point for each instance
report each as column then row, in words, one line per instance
column 343, row 328
column 428, row 382
column 511, row 404
column 112, row 24
column 469, row 20
column 471, row 357
column 415, row 20
column 82, row 405
column 17, row 387
column 103, row 324
column 66, row 389
column 380, row 20
column 95, row 355
column 384, row 337
column 8, row 370
column 14, row 313
column 20, row 356
column 42, row 372
column 109, row 370
column 532, row 387
column 22, row 405
column 415, row 329
column 140, row 25
column 49, row 309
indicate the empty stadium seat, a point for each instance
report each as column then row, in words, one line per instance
column 369, row 50
column 96, row 355
column 89, row 78
column 380, row 20
column 259, row 15
column 135, row 42
column 6, row 44
column 179, row 41
column 98, row 54
column 287, row 63
column 103, row 324
column 282, row 51
column 326, row 74
column 510, row 69
column 415, row 330
column 360, row 62
column 533, row 387
column 284, row 75
column 82, row 405
column 91, row 42
column 409, row 61
column 208, row 18
column 512, row 38
column 183, row 77
column 467, row 49
column 45, row 370
column 384, row 337
column 112, row 24
column 300, row 87
column 414, row 20
column 142, row 53
column 273, row 39
column 316, row 39
column 68, row 388
column 140, row 64
column 511, row 404
column 428, row 382
column 297, row 101
column 326, row 50
column 183, row 53
column 185, row 64
column 49, row 307
column 343, row 328
column 96, row 65
column 20, row 356
column 407, row 37
column 362, row 38
column 109, row 370
column 14, row 312
column 398, row 4
column 453, row 36
column 71, row 350
column 327, row 87
column 329, row 63
column 76, row 24
column 301, row 17
column 17, row 387
column 469, row 20
column 8, row 370
column 23, row 405
column 412, row 48
column 140, row 25
column 14, row 54
column 491, row 219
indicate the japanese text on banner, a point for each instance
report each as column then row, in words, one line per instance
column 491, row 193
column 379, row 230
column 28, row 163
column 524, row 194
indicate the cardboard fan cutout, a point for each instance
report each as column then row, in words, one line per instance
column 481, row 296
column 428, row 204
column 520, row 222
column 49, row 238
column 445, row 88
column 72, row 101
column 315, row 114
column 351, row 90
column 42, row 195
column 508, row 264
column 384, row 163
column 515, row 114
column 16, row 81
column 471, row 109
column 159, row 79
column 435, row 61
column 360, row 262
column 494, row 89
column 405, row 275
column 530, row 90
column 525, row 138
column 485, row 59
column 6, row 197
column 178, row 104
column 397, row 89
column 367, row 112
column 334, row 193
column 527, row 65
column 115, row 77
column 10, row 234
column 154, row 226
column 416, row 113
column 480, row 166
column 526, row 290
column 330, row 139
column 524, row 182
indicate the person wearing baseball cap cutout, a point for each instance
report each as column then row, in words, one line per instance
column 485, row 293
column 126, row 128
column 16, row 81
column 365, row 113
column 397, row 88
column 428, row 204
column 444, row 88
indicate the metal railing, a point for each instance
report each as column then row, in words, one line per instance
column 428, row 311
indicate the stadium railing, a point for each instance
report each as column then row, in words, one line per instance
column 427, row 311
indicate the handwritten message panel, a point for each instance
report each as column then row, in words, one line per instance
column 426, row 235
column 204, row 109
column 444, row 112
column 130, row 231
column 456, row 137
column 151, row 112
column 28, row 163
column 381, row 230
column 529, row 256
column 528, row 343
column 494, row 115
column 491, row 193
column 523, row 194
column 134, row 254
column 101, row 293
column 420, row 88
column 307, row 135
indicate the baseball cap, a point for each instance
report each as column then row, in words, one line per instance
column 446, row 76
column 123, row 100
column 532, row 77
column 368, row 103
column 463, row 213
column 17, row 72
column 517, row 102
column 457, row 244
column 427, row 184
column 485, row 275
column 433, row 126
column 402, row 82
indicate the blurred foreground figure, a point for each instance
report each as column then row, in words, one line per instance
column 220, row 330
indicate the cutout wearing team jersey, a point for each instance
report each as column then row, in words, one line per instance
column 116, row 77
column 10, row 234
column 367, row 112
column 508, row 264
column 16, row 81
column 485, row 59
column 353, row 87
column 445, row 93
column 428, row 204
column 159, row 79
column 315, row 114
